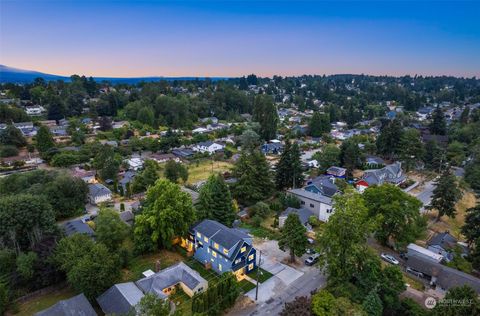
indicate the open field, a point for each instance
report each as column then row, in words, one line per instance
column 202, row 170
column 454, row 225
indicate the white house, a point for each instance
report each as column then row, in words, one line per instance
column 135, row 163
column 34, row 110
column 209, row 146
column 98, row 193
column 320, row 205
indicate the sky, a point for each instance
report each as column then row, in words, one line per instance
column 134, row 38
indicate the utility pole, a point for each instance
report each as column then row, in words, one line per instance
column 258, row 272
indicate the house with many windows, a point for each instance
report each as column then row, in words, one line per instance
column 317, row 196
column 222, row 248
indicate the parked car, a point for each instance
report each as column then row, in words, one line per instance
column 310, row 241
column 310, row 261
column 415, row 272
column 389, row 258
column 309, row 251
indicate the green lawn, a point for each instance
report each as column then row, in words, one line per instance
column 44, row 301
column 142, row 263
column 246, row 285
column 182, row 301
column 262, row 277
column 202, row 170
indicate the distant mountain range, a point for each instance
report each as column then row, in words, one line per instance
column 15, row 75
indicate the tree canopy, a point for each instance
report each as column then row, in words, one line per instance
column 168, row 213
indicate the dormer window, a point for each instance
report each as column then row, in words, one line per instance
column 225, row 251
column 215, row 245
column 205, row 238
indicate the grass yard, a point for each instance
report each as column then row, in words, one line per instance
column 42, row 302
column 203, row 169
column 246, row 285
column 183, row 302
column 263, row 276
column 414, row 284
column 142, row 263
column 454, row 225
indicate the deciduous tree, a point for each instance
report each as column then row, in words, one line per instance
column 168, row 213
column 396, row 213
column 110, row 230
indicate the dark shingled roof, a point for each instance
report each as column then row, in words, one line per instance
column 120, row 298
column 75, row 306
column 447, row 277
column 77, row 227
column 178, row 273
column 303, row 214
column 219, row 233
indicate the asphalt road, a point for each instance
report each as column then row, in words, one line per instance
column 307, row 283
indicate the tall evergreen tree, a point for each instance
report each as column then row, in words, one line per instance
column 265, row 113
column 388, row 142
column 438, row 126
column 350, row 155
column 411, row 148
column 319, row 124
column 434, row 157
column 289, row 171
column 471, row 228
column 445, row 195
column 215, row 201
column 293, row 236
column 253, row 175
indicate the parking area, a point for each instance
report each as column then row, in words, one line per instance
column 284, row 276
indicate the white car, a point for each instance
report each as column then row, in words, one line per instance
column 389, row 258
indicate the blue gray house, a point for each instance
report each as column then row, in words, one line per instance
column 222, row 248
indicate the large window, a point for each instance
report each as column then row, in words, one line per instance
column 250, row 258
column 220, row 267
column 205, row 238
column 225, row 251
column 244, row 248
column 250, row 266
column 199, row 235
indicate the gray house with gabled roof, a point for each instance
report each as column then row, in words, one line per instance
column 163, row 283
column 75, row 306
column 120, row 299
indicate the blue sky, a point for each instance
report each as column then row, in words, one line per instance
column 231, row 38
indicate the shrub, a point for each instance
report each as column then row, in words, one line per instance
column 8, row 151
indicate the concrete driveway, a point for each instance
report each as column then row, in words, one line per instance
column 425, row 196
column 283, row 275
